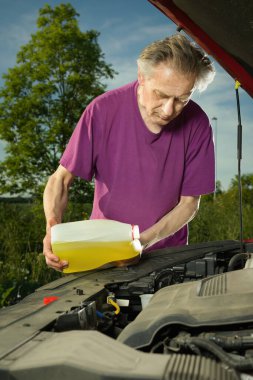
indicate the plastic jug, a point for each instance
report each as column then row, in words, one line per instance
column 91, row 244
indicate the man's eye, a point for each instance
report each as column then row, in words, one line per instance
column 183, row 101
column 158, row 95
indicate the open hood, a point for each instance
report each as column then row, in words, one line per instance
column 224, row 29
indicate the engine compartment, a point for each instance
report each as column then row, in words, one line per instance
column 195, row 308
column 192, row 307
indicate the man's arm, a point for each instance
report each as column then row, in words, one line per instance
column 55, row 202
column 183, row 213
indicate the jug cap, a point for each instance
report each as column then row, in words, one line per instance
column 135, row 232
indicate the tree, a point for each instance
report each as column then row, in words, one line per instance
column 58, row 72
column 219, row 219
column 247, row 187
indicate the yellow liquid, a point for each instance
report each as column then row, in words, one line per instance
column 85, row 255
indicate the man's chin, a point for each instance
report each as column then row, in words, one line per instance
column 162, row 122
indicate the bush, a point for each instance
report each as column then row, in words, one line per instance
column 22, row 264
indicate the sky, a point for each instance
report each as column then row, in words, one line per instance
column 126, row 27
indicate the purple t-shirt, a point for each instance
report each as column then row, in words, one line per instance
column 140, row 175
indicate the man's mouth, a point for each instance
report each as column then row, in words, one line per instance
column 165, row 118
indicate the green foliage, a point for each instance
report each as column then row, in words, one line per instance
column 22, row 265
column 5, row 295
column 58, row 72
column 20, row 276
column 218, row 217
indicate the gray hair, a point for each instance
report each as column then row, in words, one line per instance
column 182, row 55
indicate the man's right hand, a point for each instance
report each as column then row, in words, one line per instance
column 55, row 202
column 52, row 260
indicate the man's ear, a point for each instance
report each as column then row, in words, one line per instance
column 140, row 77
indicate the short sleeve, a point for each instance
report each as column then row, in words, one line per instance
column 78, row 157
column 199, row 173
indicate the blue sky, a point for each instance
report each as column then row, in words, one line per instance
column 125, row 28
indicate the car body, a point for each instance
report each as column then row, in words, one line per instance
column 198, row 320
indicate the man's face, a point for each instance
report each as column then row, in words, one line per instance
column 162, row 95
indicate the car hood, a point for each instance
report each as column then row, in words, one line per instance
column 224, row 29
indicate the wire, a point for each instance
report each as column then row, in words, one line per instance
column 114, row 304
column 99, row 314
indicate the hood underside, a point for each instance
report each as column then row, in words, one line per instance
column 224, row 29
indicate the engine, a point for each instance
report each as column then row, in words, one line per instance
column 200, row 308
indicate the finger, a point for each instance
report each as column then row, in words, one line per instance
column 54, row 261
column 50, row 255
column 47, row 250
column 56, row 265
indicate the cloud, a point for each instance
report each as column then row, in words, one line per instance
column 127, row 74
column 129, row 38
column 108, row 24
column 18, row 34
column 13, row 37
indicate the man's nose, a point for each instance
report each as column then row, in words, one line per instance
column 168, row 107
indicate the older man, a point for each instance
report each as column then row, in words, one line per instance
column 148, row 146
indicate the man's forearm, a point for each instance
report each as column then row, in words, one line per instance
column 55, row 201
column 56, row 197
column 182, row 214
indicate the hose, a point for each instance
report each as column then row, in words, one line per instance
column 242, row 365
column 239, row 258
